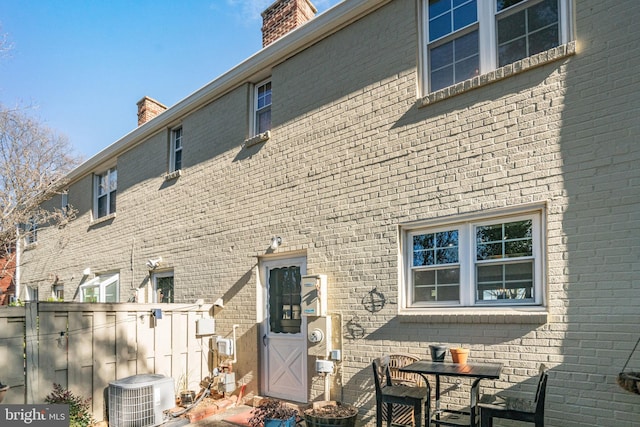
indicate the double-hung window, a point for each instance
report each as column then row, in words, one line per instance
column 103, row 288
column 478, row 262
column 175, row 161
column 106, row 185
column 466, row 38
column 262, row 107
column 163, row 287
column 31, row 232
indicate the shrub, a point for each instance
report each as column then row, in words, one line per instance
column 79, row 408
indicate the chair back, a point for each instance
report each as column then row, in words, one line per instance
column 397, row 361
column 541, row 391
column 381, row 375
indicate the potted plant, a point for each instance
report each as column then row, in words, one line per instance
column 330, row 413
column 438, row 352
column 186, row 396
column 459, row 355
column 273, row 413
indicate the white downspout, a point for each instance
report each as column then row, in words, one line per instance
column 235, row 347
column 16, row 277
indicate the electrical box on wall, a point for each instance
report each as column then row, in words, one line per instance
column 225, row 346
column 205, row 327
column 314, row 295
column 319, row 336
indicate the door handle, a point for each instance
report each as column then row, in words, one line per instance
column 264, row 340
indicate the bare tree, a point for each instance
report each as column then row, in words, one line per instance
column 33, row 163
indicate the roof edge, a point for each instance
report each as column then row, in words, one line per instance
column 297, row 40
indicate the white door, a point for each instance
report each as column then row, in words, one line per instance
column 284, row 330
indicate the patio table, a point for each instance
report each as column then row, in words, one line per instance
column 479, row 371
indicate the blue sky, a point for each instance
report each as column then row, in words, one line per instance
column 81, row 65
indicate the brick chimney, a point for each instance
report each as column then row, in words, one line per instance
column 283, row 16
column 148, row 108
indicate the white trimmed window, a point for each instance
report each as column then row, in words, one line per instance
column 31, row 232
column 175, row 161
column 106, row 185
column 488, row 261
column 163, row 287
column 262, row 107
column 103, row 288
column 466, row 38
column 64, row 202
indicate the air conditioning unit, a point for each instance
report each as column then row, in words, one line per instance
column 140, row 400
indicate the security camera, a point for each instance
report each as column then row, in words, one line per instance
column 154, row 263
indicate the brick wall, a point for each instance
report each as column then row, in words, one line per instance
column 352, row 156
column 148, row 108
column 283, row 16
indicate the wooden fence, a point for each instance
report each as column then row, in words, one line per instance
column 84, row 346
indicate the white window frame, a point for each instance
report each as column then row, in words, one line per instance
column 113, row 171
column 64, row 202
column 159, row 275
column 175, row 149
column 100, row 283
column 487, row 33
column 31, row 232
column 467, row 260
column 258, row 110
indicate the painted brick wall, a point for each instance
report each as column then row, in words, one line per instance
column 352, row 155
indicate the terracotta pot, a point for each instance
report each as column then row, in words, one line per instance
column 459, row 355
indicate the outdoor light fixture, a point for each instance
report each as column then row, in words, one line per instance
column 154, row 263
column 276, row 241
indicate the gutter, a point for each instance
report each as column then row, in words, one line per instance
column 289, row 45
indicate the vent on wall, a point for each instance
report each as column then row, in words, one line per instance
column 140, row 400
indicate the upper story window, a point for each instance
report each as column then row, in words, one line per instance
column 103, row 288
column 106, row 185
column 64, row 203
column 163, row 287
column 31, row 232
column 481, row 262
column 175, row 161
column 466, row 38
column 262, row 107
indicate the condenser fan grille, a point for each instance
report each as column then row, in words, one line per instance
column 134, row 408
column 139, row 401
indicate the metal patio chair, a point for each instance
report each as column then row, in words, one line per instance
column 390, row 395
column 498, row 406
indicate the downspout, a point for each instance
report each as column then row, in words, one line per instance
column 235, row 347
column 16, row 276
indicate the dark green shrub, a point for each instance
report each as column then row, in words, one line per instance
column 79, row 408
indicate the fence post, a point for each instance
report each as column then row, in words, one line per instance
column 31, row 328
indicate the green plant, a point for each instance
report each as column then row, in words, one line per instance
column 271, row 409
column 16, row 303
column 79, row 408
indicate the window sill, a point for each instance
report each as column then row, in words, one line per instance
column 173, row 175
column 536, row 315
column 261, row 137
column 517, row 67
column 103, row 219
